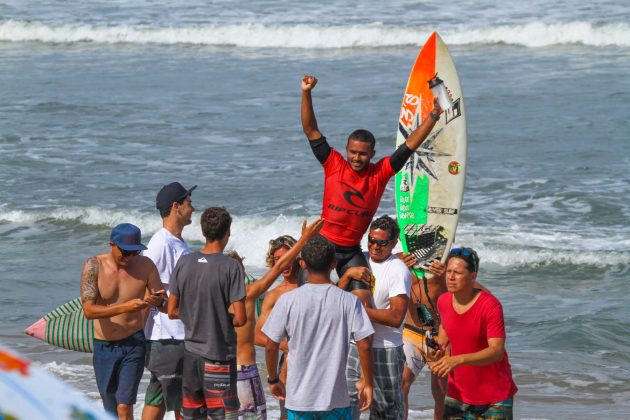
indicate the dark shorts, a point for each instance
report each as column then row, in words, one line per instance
column 346, row 257
column 457, row 410
column 209, row 389
column 165, row 361
column 118, row 368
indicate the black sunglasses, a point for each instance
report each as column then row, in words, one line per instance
column 379, row 242
column 469, row 255
column 126, row 253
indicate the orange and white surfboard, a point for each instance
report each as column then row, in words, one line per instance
column 430, row 187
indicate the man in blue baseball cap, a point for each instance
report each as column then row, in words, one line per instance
column 115, row 289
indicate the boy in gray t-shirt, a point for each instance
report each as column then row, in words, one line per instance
column 319, row 320
column 204, row 286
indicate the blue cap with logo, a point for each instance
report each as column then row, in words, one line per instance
column 128, row 237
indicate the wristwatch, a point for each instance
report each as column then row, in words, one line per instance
column 434, row 116
column 273, row 381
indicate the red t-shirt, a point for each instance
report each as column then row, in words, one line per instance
column 469, row 333
column 351, row 198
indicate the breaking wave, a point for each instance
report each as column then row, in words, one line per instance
column 310, row 36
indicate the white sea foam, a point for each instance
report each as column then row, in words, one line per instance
column 310, row 36
column 509, row 247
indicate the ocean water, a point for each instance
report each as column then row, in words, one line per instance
column 103, row 102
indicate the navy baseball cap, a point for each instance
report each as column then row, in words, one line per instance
column 128, row 237
column 170, row 194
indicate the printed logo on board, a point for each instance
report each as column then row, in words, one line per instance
column 453, row 167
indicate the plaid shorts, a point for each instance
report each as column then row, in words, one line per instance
column 457, row 410
column 209, row 389
column 387, row 402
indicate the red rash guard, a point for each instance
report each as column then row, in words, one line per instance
column 351, row 198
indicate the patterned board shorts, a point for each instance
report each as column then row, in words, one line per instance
column 457, row 410
column 250, row 393
column 387, row 400
column 209, row 389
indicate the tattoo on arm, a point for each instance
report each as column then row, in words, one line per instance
column 89, row 280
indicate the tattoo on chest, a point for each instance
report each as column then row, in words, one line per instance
column 89, row 280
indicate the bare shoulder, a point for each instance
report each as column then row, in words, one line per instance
column 89, row 279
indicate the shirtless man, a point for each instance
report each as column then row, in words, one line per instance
column 250, row 390
column 352, row 185
column 277, row 248
column 113, row 289
column 422, row 315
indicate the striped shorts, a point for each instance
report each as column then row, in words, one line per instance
column 457, row 410
column 209, row 389
column 387, row 401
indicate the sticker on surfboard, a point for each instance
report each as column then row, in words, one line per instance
column 430, row 187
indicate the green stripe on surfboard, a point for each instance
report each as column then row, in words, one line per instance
column 68, row 328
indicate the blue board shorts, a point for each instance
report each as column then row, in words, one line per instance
column 344, row 413
column 118, row 368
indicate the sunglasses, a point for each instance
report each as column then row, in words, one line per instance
column 127, row 254
column 379, row 242
column 469, row 255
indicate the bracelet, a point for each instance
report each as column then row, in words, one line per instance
column 273, row 381
column 434, row 116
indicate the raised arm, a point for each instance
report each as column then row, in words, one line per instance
column 420, row 134
column 259, row 287
column 309, row 122
column 90, row 295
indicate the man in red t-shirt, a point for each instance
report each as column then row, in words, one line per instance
column 479, row 374
column 352, row 185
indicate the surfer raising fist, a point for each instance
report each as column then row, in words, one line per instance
column 353, row 186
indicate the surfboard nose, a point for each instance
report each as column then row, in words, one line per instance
column 37, row 330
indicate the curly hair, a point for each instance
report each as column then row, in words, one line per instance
column 284, row 241
column 215, row 222
column 387, row 224
column 318, row 254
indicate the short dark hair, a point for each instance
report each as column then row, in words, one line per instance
column 387, row 224
column 318, row 254
column 215, row 222
column 167, row 212
column 364, row 136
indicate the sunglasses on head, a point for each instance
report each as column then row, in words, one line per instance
column 126, row 253
column 469, row 255
column 379, row 242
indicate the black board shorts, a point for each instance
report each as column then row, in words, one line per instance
column 346, row 257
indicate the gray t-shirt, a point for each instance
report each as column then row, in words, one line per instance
column 319, row 320
column 206, row 285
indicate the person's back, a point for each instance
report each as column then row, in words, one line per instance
column 319, row 320
column 204, row 286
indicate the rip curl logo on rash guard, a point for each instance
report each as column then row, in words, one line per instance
column 353, row 196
